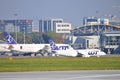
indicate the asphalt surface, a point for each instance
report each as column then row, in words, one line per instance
column 63, row 75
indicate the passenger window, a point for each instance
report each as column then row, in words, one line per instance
column 20, row 47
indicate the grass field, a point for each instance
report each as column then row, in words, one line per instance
column 59, row 64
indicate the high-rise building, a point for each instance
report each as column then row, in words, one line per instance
column 95, row 21
column 16, row 26
column 63, row 28
column 49, row 24
column 25, row 25
column 11, row 26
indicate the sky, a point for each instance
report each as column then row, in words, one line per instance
column 72, row 11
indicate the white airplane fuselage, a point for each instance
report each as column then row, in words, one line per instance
column 4, row 48
column 91, row 52
column 61, row 49
column 26, row 48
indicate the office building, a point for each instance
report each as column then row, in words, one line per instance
column 95, row 21
column 63, row 28
column 16, row 26
column 49, row 24
column 25, row 25
column 11, row 28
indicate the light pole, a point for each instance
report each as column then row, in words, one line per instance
column 24, row 35
column 98, row 37
column 16, row 29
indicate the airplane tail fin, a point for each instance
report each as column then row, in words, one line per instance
column 9, row 38
column 52, row 45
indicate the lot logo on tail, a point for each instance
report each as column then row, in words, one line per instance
column 9, row 38
column 55, row 47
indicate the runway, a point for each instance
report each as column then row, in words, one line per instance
column 63, row 75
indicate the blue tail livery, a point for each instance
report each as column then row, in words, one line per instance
column 55, row 47
column 9, row 38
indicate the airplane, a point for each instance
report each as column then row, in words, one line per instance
column 4, row 48
column 51, row 48
column 62, row 49
column 90, row 52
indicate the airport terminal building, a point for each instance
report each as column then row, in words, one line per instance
column 110, row 42
column 96, row 33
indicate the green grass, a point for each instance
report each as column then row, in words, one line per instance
column 59, row 64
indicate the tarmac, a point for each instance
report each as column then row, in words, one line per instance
column 63, row 75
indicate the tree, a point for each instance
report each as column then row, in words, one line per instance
column 28, row 39
column 2, row 36
column 56, row 37
column 37, row 37
column 46, row 38
column 19, row 36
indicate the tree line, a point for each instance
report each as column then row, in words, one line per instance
column 36, row 37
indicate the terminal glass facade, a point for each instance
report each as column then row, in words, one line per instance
column 111, row 40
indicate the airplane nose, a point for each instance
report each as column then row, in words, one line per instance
column 103, row 53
